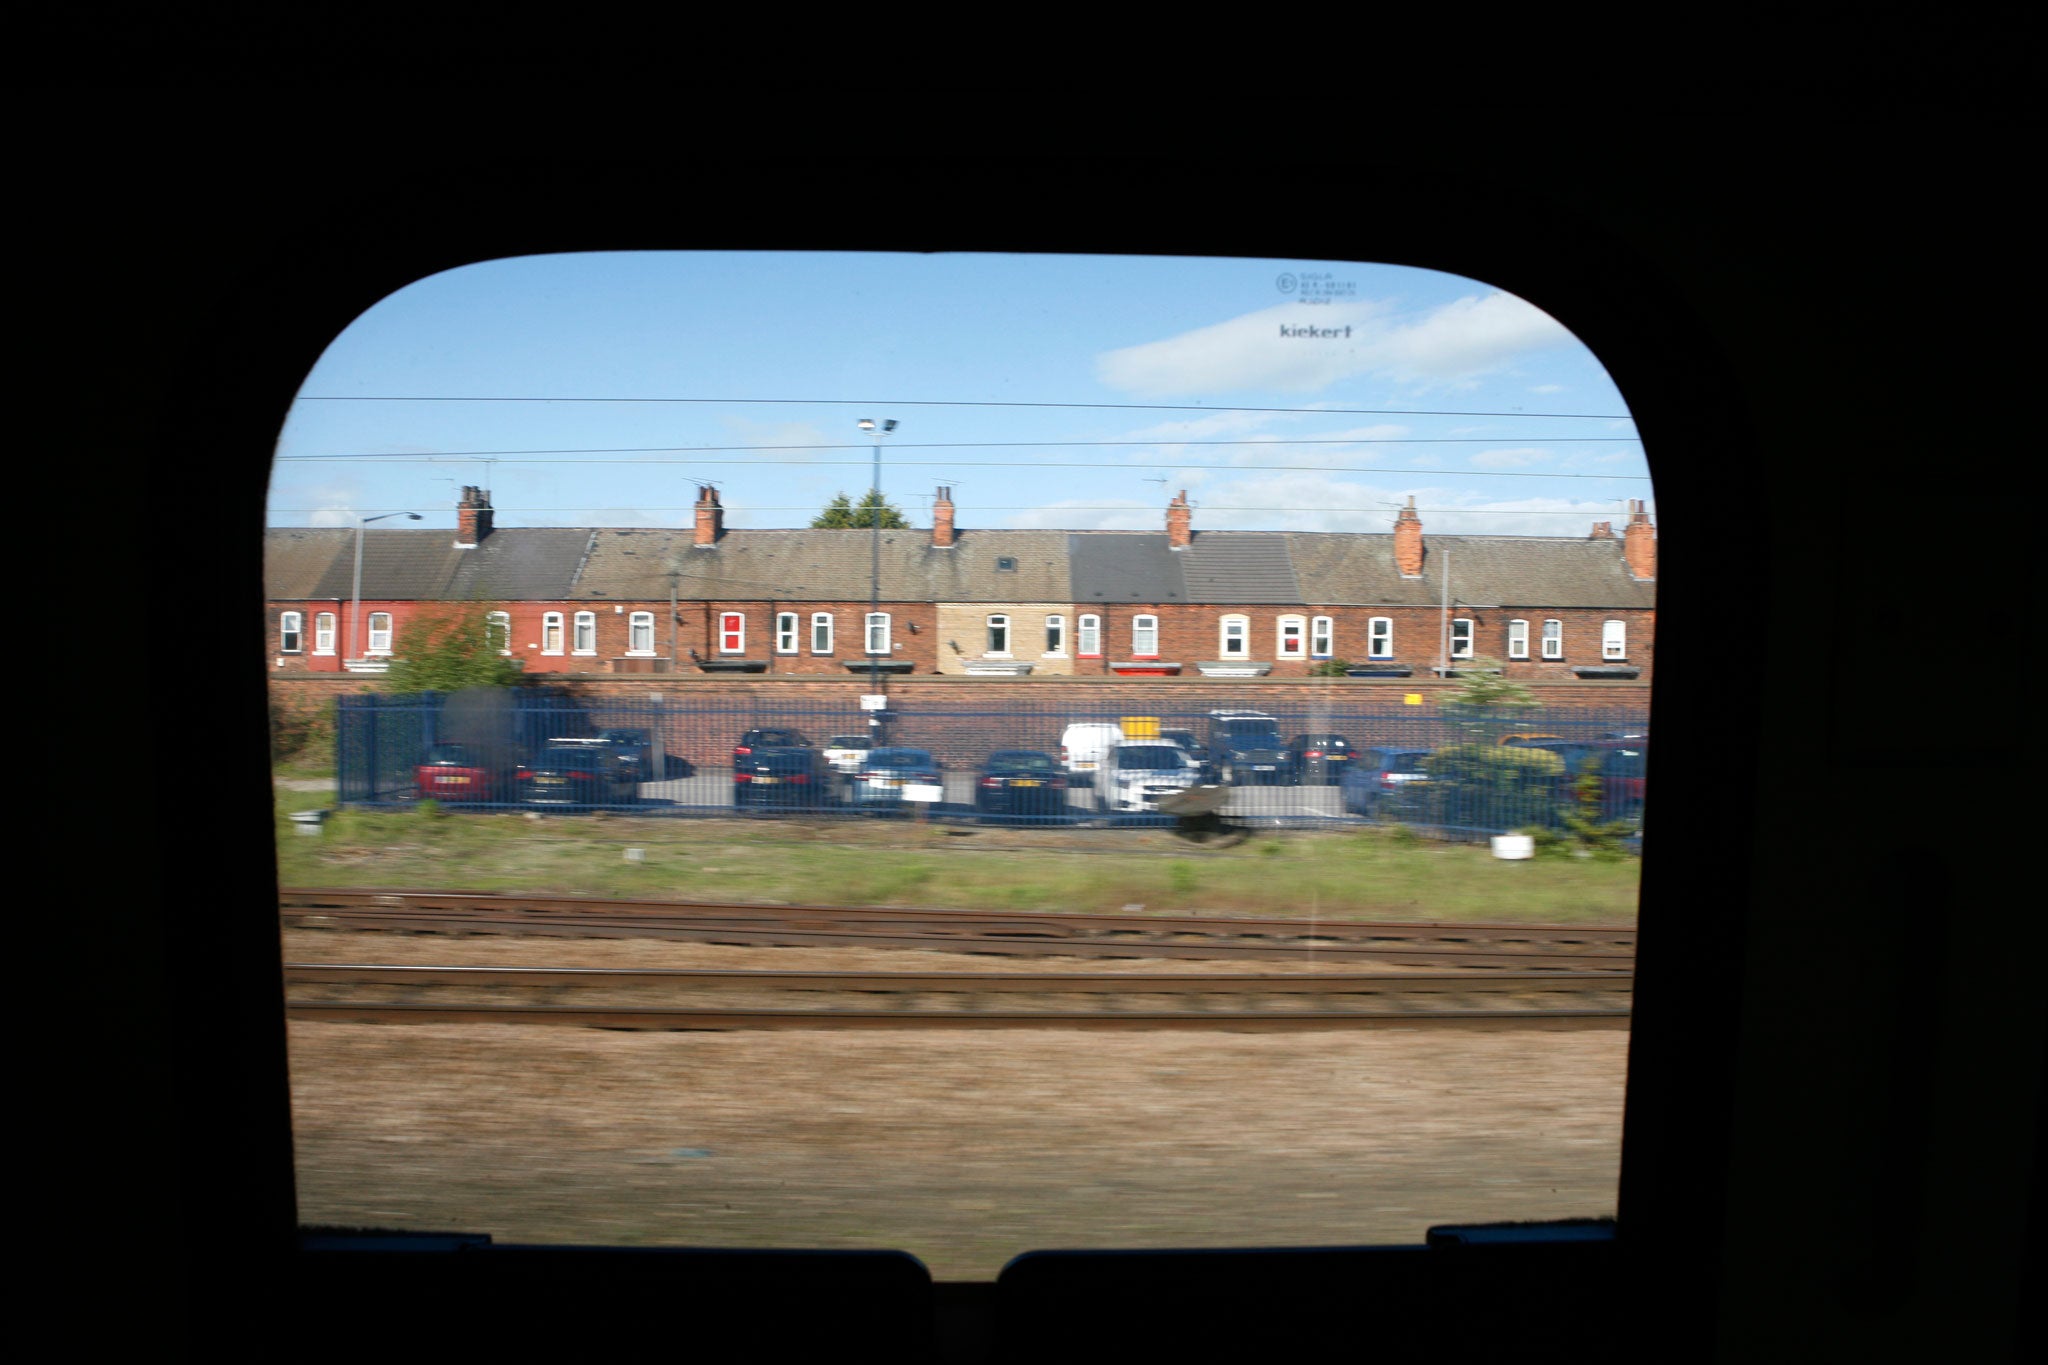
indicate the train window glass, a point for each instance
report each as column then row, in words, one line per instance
column 968, row 848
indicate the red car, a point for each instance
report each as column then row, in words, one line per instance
column 450, row 772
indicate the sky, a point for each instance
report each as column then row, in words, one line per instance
column 1073, row 392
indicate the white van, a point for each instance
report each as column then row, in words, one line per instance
column 1085, row 745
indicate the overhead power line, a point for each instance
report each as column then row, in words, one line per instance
column 955, row 445
column 1413, row 470
column 941, row 403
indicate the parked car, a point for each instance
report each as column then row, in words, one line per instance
column 632, row 752
column 571, row 773
column 1245, row 748
column 1318, row 758
column 879, row 783
column 1138, row 773
column 1375, row 777
column 455, row 772
column 1020, row 782
column 784, row 778
column 1188, row 740
column 1622, row 766
column 767, row 737
column 847, row 752
column 1083, row 746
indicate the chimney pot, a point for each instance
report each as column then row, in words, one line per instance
column 1408, row 550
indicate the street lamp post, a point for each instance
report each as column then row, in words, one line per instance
column 868, row 425
column 355, row 610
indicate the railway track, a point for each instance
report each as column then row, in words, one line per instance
column 695, row 1000
column 1466, row 947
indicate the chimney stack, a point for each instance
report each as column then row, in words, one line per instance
column 1408, row 541
column 1179, row 533
column 1602, row 530
column 710, row 516
column 472, row 517
column 1639, row 543
column 942, row 520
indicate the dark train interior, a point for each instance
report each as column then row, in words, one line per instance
column 1835, row 1071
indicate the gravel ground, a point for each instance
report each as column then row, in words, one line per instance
column 962, row 1148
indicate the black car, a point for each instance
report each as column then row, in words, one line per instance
column 632, row 752
column 574, row 773
column 1245, row 748
column 767, row 737
column 782, row 778
column 1318, row 758
column 1020, row 782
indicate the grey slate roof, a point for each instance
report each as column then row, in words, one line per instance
column 1239, row 567
column 1339, row 569
column 1125, row 566
column 518, row 564
column 1218, row 567
column 828, row 566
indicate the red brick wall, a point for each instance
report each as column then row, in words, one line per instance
column 1189, row 635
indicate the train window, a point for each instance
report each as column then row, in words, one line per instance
column 945, row 945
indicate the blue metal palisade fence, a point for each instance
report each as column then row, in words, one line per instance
column 1482, row 775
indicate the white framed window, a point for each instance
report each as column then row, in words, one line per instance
column 1614, row 640
column 999, row 636
column 323, row 633
column 785, row 632
column 1233, row 637
column 1461, row 637
column 1322, row 637
column 878, row 632
column 1518, row 639
column 1292, row 631
column 586, row 633
column 1144, row 637
column 821, row 632
column 551, row 633
column 1055, row 637
column 640, row 633
column 1379, row 638
column 380, row 632
column 291, row 632
column 1553, row 639
column 498, row 631
column 1088, row 637
column 732, row 632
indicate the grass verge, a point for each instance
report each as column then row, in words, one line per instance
column 1372, row 874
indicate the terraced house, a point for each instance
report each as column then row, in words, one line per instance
column 991, row 603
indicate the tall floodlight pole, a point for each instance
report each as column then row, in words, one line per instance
column 888, row 425
column 355, row 610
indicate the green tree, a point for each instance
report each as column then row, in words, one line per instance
column 842, row 514
column 448, row 648
column 1484, row 693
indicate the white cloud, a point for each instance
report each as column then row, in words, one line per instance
column 1094, row 514
column 1510, row 459
column 1449, row 346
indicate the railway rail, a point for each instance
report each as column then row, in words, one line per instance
column 1415, row 944
column 697, row 999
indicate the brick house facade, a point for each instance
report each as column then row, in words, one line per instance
column 1111, row 604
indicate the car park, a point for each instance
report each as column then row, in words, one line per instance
column 1376, row 778
column 790, row 778
column 847, row 752
column 1020, row 782
column 1245, row 748
column 1318, row 758
column 1139, row 772
column 880, row 782
column 456, row 772
column 572, row 773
